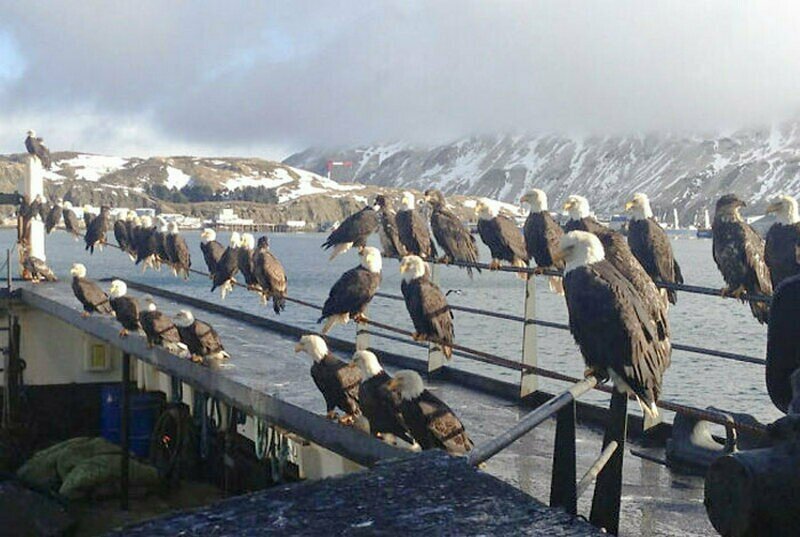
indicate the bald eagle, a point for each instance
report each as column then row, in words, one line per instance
column 88, row 293
column 649, row 243
column 37, row 269
column 451, row 234
column 269, row 275
column 199, row 337
column 35, row 146
column 782, row 248
column 87, row 216
column 542, row 236
column 71, row 222
column 611, row 324
column 431, row 422
column 161, row 232
column 389, row 235
column 412, row 229
column 580, row 216
column 126, row 308
column 502, row 236
column 212, row 250
column 228, row 266
column 145, row 242
column 159, row 329
column 122, row 233
column 245, row 260
column 427, row 305
column 378, row 403
column 352, row 292
column 338, row 381
column 354, row 231
column 783, row 350
column 54, row 216
column 98, row 227
column 739, row 254
column 178, row 251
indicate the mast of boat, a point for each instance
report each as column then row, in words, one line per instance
column 706, row 219
column 675, row 222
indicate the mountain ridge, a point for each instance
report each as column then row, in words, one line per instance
column 687, row 172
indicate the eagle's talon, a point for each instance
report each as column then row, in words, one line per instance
column 123, row 332
column 416, row 336
column 538, row 270
column 347, row 419
column 494, row 264
column 85, row 314
column 331, row 415
column 360, row 318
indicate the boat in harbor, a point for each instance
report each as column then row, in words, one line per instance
column 705, row 232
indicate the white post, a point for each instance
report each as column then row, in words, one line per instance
column 362, row 337
column 33, row 185
column 436, row 358
column 529, row 382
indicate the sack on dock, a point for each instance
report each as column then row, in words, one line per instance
column 98, row 477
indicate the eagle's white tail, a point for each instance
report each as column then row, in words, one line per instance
column 651, row 415
column 226, row 288
column 218, row 356
column 333, row 320
column 520, row 264
column 340, row 249
column 178, row 349
column 556, row 285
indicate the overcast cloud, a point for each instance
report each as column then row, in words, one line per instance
column 264, row 78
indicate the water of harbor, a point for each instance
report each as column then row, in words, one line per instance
column 696, row 320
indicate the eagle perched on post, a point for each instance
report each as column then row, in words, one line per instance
column 617, row 333
column 36, row 147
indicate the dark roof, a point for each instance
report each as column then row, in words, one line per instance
column 432, row 494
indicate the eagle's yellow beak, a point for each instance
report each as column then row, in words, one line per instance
column 393, row 384
column 298, row 347
column 568, row 205
column 629, row 205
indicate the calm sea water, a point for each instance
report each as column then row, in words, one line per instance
column 696, row 320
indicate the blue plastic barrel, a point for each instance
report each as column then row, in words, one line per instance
column 144, row 412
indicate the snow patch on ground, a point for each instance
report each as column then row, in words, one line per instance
column 176, row 178
column 93, row 167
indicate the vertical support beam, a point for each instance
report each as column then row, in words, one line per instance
column 125, row 410
column 33, row 186
column 436, row 358
column 608, row 490
column 8, row 270
column 563, row 491
column 529, row 382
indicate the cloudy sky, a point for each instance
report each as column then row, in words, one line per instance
column 265, row 78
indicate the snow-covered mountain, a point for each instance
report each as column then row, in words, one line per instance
column 137, row 176
column 682, row 172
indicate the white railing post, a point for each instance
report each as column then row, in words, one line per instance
column 529, row 382
column 362, row 336
column 32, row 186
column 436, row 358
